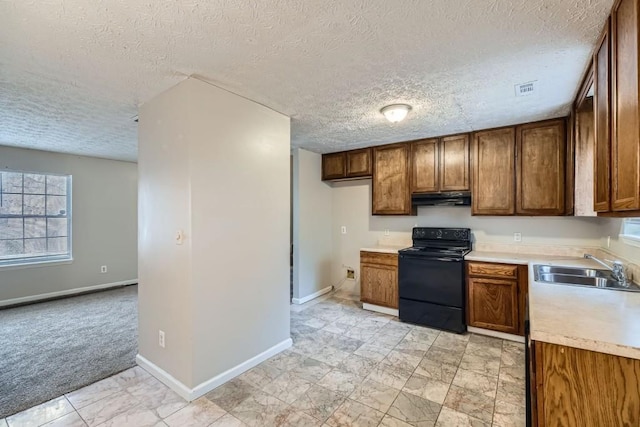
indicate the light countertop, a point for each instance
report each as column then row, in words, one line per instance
column 385, row 249
column 514, row 258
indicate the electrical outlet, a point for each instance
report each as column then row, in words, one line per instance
column 161, row 338
column 351, row 274
column 343, row 229
column 103, row 269
column 517, row 237
column 386, row 231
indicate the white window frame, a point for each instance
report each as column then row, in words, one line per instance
column 630, row 239
column 45, row 260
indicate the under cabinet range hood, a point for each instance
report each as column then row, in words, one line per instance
column 451, row 198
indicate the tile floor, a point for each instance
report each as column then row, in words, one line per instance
column 347, row 367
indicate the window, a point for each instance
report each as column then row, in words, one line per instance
column 35, row 218
column 631, row 230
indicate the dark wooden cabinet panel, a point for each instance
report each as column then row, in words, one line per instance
column 424, row 166
column 578, row 388
column 602, row 102
column 391, row 193
column 333, row 166
column 379, row 279
column 494, row 173
column 358, row 163
column 454, row 163
column 493, row 304
column 540, row 150
column 505, row 271
column 625, row 141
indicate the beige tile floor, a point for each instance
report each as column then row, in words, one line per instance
column 347, row 367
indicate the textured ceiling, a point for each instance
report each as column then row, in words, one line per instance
column 72, row 72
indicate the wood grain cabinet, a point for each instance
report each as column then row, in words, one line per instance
column 581, row 388
column 391, row 193
column 602, row 131
column 496, row 296
column 347, row 165
column 379, row 279
column 440, row 164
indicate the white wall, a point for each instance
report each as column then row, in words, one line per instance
column 613, row 227
column 352, row 208
column 104, row 222
column 216, row 166
column 312, row 224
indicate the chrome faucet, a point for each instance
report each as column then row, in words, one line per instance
column 616, row 267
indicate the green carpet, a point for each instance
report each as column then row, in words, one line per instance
column 51, row 348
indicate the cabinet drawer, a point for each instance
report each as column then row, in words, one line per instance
column 379, row 258
column 492, row 270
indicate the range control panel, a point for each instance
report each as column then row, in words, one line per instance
column 432, row 233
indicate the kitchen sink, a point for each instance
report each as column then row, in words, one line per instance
column 576, row 276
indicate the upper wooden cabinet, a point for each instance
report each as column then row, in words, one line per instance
column 540, row 153
column 440, row 164
column 602, row 131
column 625, row 136
column 347, row 164
column 494, row 172
column 391, row 194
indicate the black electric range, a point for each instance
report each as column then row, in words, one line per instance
column 431, row 284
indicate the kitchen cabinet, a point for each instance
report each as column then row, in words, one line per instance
column 391, row 193
column 520, row 170
column 496, row 294
column 347, row 164
column 540, row 177
column 574, row 387
column 440, row 164
column 602, row 131
column 379, row 279
column 494, row 172
column 625, row 83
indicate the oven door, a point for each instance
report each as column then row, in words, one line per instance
column 437, row 280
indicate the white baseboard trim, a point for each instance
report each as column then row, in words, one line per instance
column 312, row 296
column 380, row 309
column 68, row 292
column 495, row 334
column 205, row 387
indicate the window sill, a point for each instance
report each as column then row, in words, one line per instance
column 35, row 264
column 631, row 240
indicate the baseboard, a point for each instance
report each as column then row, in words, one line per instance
column 312, row 296
column 380, row 309
column 191, row 394
column 68, row 292
column 495, row 334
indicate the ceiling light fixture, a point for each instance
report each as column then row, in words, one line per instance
column 396, row 112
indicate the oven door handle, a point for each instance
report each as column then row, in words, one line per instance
column 444, row 259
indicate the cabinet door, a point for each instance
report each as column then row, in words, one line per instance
column 379, row 285
column 333, row 166
column 577, row 388
column 493, row 304
column 625, row 144
column 358, row 163
column 454, row 163
column 391, row 193
column 494, row 173
column 602, row 101
column 540, row 157
column 424, row 166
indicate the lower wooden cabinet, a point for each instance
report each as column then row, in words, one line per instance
column 496, row 296
column 581, row 388
column 379, row 279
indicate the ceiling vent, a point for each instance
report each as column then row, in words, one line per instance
column 526, row 89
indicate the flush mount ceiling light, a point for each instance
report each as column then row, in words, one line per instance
column 396, row 112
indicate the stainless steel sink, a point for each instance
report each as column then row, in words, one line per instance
column 577, row 276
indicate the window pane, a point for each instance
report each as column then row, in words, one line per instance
column 33, row 205
column 56, row 227
column 35, row 246
column 632, row 227
column 11, row 182
column 11, row 204
column 57, row 185
column 56, row 205
column 33, row 183
column 10, row 247
column 58, row 245
column 10, row 228
column 35, row 227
